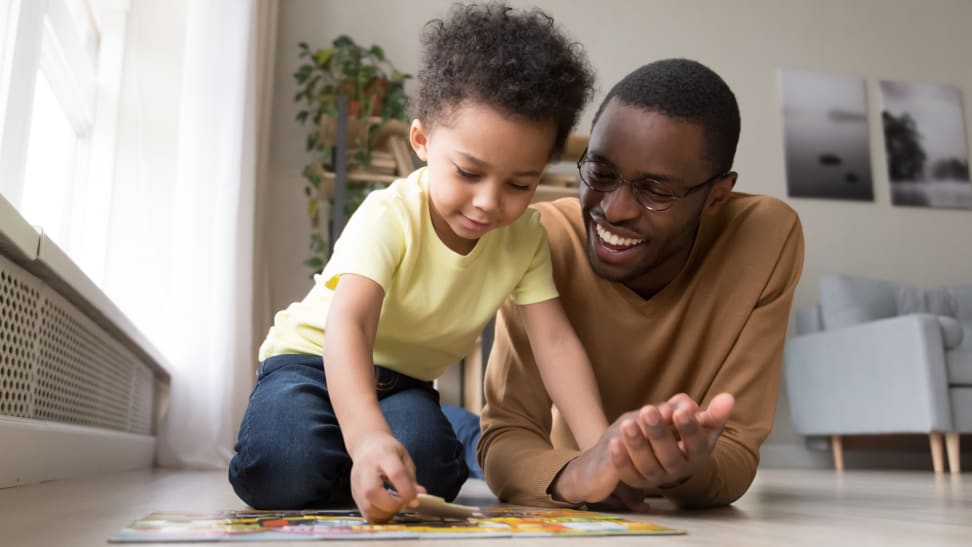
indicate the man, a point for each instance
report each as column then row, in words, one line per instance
column 680, row 291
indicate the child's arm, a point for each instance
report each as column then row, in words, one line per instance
column 565, row 370
column 352, row 323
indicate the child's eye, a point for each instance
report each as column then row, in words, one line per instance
column 519, row 187
column 467, row 174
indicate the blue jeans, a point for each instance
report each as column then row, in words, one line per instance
column 466, row 426
column 290, row 453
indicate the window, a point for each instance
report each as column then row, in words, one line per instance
column 51, row 168
column 58, row 111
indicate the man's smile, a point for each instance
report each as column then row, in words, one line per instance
column 613, row 240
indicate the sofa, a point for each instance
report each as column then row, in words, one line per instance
column 879, row 357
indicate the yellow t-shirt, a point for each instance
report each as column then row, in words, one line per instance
column 436, row 300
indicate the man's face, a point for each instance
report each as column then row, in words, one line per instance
column 626, row 242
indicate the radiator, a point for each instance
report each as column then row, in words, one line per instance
column 57, row 365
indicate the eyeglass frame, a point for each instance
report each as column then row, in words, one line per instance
column 619, row 180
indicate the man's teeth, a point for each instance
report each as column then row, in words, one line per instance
column 616, row 240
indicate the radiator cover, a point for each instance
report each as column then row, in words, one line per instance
column 57, row 365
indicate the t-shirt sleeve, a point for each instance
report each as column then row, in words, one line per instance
column 372, row 243
column 537, row 284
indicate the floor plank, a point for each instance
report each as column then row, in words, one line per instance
column 783, row 507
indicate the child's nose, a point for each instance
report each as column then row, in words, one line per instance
column 487, row 198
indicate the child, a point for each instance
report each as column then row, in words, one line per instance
column 419, row 270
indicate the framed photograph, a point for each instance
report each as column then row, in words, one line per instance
column 924, row 136
column 825, row 136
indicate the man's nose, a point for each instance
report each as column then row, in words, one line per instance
column 621, row 204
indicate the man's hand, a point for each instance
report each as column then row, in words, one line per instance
column 665, row 444
column 590, row 477
column 653, row 447
column 624, row 498
column 379, row 459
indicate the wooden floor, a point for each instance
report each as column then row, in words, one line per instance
column 784, row 507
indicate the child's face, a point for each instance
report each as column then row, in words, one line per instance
column 483, row 169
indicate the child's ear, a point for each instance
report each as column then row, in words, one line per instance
column 418, row 137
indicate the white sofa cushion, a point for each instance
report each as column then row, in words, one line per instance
column 913, row 299
column 847, row 300
column 962, row 296
column 953, row 333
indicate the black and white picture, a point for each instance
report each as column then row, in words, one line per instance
column 825, row 136
column 924, row 135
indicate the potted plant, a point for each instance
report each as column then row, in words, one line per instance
column 376, row 94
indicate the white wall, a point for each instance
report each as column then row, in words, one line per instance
column 746, row 41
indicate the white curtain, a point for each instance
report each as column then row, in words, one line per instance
column 181, row 261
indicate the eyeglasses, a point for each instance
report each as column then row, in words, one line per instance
column 601, row 176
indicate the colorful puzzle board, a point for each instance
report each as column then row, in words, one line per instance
column 343, row 524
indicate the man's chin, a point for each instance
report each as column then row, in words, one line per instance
column 609, row 272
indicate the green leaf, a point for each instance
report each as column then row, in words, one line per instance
column 318, row 244
column 343, row 41
column 315, row 262
column 302, row 116
column 311, row 141
column 310, row 173
column 378, row 52
column 323, row 56
column 303, row 73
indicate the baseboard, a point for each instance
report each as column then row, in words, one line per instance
column 36, row 451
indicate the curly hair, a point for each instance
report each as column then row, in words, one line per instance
column 686, row 90
column 519, row 63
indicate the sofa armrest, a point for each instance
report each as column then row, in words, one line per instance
column 885, row 376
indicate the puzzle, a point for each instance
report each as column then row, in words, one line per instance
column 348, row 524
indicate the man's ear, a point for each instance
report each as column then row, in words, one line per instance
column 721, row 191
column 418, row 137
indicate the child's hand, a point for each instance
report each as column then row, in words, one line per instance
column 379, row 459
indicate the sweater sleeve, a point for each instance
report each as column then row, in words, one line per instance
column 751, row 373
column 515, row 451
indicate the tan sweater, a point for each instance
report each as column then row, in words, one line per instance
column 718, row 326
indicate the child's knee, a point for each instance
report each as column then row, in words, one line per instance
column 282, row 479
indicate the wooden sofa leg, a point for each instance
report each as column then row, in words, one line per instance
column 938, row 463
column 952, row 445
column 837, row 446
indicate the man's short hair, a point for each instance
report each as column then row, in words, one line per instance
column 685, row 90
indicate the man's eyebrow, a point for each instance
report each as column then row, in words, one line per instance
column 639, row 176
column 481, row 163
